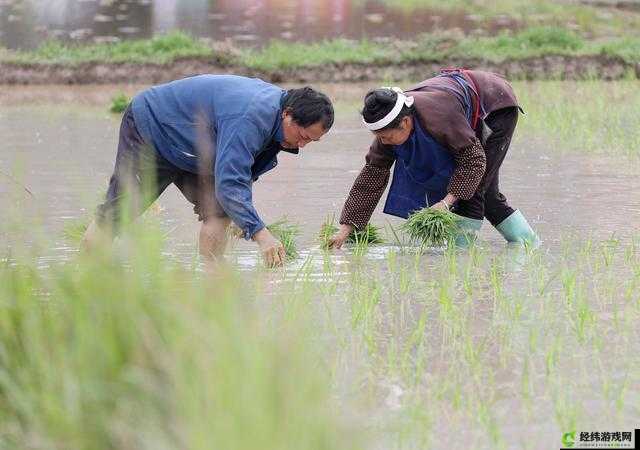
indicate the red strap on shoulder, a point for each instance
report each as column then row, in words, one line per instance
column 475, row 115
column 476, row 108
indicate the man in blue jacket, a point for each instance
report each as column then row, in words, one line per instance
column 212, row 136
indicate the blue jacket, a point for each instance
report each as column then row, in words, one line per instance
column 235, row 119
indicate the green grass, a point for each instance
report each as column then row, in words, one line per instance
column 587, row 117
column 108, row 353
column 534, row 41
column 127, row 349
column 626, row 48
column 158, row 50
column 285, row 55
column 119, row 103
column 529, row 43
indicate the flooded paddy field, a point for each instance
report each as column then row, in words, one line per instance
column 495, row 347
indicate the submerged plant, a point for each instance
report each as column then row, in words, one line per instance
column 119, row 103
column 286, row 233
column 431, row 227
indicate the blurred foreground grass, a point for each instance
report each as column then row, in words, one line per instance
column 128, row 349
column 138, row 352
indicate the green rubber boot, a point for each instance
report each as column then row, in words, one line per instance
column 468, row 231
column 515, row 228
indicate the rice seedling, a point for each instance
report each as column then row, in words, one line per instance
column 102, row 356
column 431, row 227
column 370, row 234
column 554, row 117
column 119, row 103
column 327, row 230
column 286, row 233
column 106, row 355
column 74, row 229
column 458, row 333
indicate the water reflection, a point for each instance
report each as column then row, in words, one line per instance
column 26, row 23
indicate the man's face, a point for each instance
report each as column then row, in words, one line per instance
column 296, row 136
column 396, row 136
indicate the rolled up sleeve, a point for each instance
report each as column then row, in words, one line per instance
column 238, row 143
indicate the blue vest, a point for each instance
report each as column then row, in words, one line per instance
column 421, row 174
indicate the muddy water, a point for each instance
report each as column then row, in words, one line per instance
column 58, row 147
column 26, row 23
column 59, row 143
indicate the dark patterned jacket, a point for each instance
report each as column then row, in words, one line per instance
column 441, row 114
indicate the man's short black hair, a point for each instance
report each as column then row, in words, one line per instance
column 308, row 106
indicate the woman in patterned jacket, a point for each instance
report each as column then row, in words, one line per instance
column 447, row 136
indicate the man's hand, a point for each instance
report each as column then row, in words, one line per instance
column 235, row 231
column 272, row 250
column 338, row 239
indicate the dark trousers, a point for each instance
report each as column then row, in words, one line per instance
column 141, row 174
column 488, row 201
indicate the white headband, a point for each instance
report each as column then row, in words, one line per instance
column 401, row 101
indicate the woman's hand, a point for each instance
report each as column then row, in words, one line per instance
column 446, row 203
column 441, row 205
column 338, row 239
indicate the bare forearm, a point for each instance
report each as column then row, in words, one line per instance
column 450, row 199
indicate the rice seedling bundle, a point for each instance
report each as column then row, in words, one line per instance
column 286, row 233
column 431, row 227
column 370, row 234
column 327, row 230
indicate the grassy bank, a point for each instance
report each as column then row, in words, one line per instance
column 277, row 55
column 158, row 50
column 529, row 43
